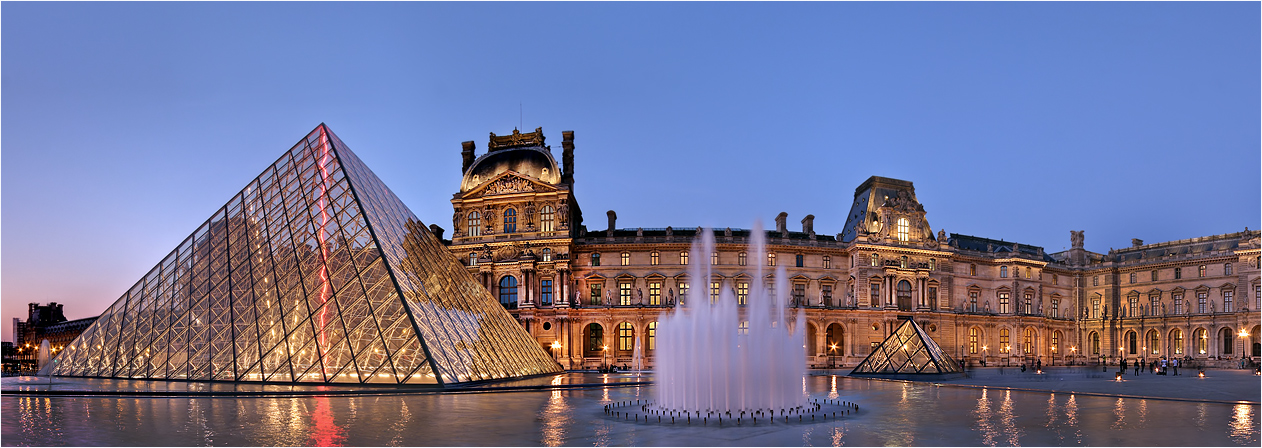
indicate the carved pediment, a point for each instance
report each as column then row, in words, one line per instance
column 510, row 182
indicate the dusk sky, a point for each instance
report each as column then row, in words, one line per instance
column 126, row 125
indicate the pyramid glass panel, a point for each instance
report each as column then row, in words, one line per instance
column 315, row 272
column 909, row 350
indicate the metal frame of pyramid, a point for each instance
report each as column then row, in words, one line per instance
column 315, row 272
column 907, row 351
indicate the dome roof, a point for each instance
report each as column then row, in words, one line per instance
column 533, row 161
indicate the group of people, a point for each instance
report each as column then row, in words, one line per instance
column 1156, row 366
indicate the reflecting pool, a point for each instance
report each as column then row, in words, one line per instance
column 892, row 413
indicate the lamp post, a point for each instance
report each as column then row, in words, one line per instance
column 1007, row 359
column 1243, row 334
column 832, row 356
column 1073, row 351
column 604, row 358
column 985, row 352
column 1053, row 355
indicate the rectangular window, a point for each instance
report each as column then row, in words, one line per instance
column 1227, row 301
column 875, row 294
column 626, row 259
column 1095, row 281
column 714, row 258
column 1095, row 308
column 652, row 335
column 625, row 337
column 1003, row 272
column 1055, row 309
column 545, row 292
column 594, row 288
column 799, row 259
column 799, row 294
column 655, row 293
column 932, row 297
column 683, row 258
column 1202, row 302
column 1154, row 276
column 972, row 300
column 595, row 259
column 827, row 292
column 1134, row 306
column 1177, row 298
column 827, row 262
column 742, row 292
column 771, row 259
column 683, row 289
column 714, row 292
column 1154, row 304
column 655, row 258
column 1003, row 340
column 740, row 259
column 624, row 293
column 1003, row 303
column 1029, row 303
column 972, row 341
column 1133, row 275
column 1055, row 279
column 1200, row 271
column 1227, row 269
column 1178, row 273
column 1027, row 272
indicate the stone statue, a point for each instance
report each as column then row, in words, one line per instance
column 1075, row 238
column 670, row 297
column 639, row 296
column 941, row 236
column 608, row 297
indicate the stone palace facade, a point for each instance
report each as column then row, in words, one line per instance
column 589, row 296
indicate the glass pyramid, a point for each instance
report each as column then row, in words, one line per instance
column 908, row 350
column 314, row 273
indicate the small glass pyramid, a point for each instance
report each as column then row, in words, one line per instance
column 314, row 273
column 908, row 350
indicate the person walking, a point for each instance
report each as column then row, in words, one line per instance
column 1175, row 363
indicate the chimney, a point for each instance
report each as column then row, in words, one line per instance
column 467, row 155
column 613, row 219
column 808, row 225
column 567, row 156
column 437, row 231
column 781, row 226
column 1136, row 242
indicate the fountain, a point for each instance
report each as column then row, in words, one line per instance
column 710, row 362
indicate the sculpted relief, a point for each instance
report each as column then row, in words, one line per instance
column 508, row 185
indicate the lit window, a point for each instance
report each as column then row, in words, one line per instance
column 714, row 258
column 1154, row 342
column 742, row 292
column 1004, row 339
column 1055, row 341
column 547, row 254
column 1201, row 340
column 1095, row 343
column 876, row 259
column 545, row 218
column 510, row 221
column 655, row 258
column 626, row 336
column 652, row 335
column 828, row 262
column 771, row 259
column 595, row 259
column 903, row 228
column 972, row 269
column 1027, row 343
column 624, row 293
column 1177, row 341
column 1095, row 308
column 1003, row 303
column 1029, row 303
column 740, row 259
column 875, row 294
column 973, row 335
column 1055, row 279
column 1055, row 308
column 683, row 288
column 902, row 262
column 475, row 224
column 683, row 258
column 933, row 264
column 1200, row 271
column 799, row 260
column 1095, row 281
column 1027, row 272
column 473, row 258
column 743, row 328
column 714, row 292
column 655, row 293
column 626, row 259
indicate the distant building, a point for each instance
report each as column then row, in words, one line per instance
column 518, row 226
column 42, row 322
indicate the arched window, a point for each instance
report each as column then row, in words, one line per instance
column 547, row 254
column 510, row 221
column 1004, row 340
column 903, row 229
column 475, row 224
column 903, row 291
column 508, row 292
column 1055, row 341
column 1176, row 341
column 1094, row 340
column 1201, row 339
column 974, row 334
column 1154, row 342
column 626, row 337
column 545, row 218
column 1132, row 345
column 652, row 335
column 1228, row 340
column 835, row 338
column 473, row 258
column 1027, row 343
column 595, row 340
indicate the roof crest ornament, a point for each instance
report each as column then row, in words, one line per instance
column 516, row 140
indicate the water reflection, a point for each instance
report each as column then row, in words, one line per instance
column 405, row 416
column 1071, row 417
column 1143, row 413
column 983, row 419
column 832, row 391
column 556, row 417
column 1243, row 428
column 1119, row 414
column 323, row 431
column 1008, row 420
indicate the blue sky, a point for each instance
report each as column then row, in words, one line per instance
column 125, row 125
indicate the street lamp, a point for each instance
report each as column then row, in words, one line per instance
column 1243, row 334
column 1007, row 360
column 1073, row 351
column 604, row 358
column 984, row 354
column 1053, row 355
column 832, row 356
